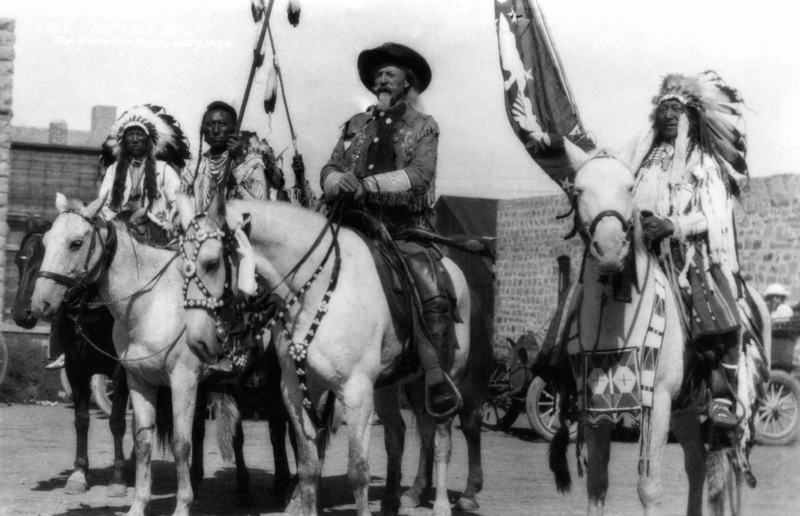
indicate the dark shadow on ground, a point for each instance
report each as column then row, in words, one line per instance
column 217, row 494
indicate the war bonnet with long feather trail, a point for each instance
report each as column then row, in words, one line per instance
column 167, row 140
column 720, row 128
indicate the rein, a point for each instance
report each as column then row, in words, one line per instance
column 264, row 301
column 78, row 289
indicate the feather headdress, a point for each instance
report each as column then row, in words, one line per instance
column 720, row 125
column 168, row 142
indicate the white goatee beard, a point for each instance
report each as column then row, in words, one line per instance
column 387, row 100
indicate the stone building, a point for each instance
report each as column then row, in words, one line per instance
column 44, row 161
column 6, row 83
column 532, row 256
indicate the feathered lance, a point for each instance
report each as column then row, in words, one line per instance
column 300, row 178
column 258, row 59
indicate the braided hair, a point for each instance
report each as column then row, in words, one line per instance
column 121, row 173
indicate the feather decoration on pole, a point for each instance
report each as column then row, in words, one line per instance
column 300, row 177
column 258, row 59
column 258, row 48
column 257, row 9
column 271, row 91
column 293, row 10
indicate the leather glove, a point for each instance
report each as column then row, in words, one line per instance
column 349, row 183
column 654, row 227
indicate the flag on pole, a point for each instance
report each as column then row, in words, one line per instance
column 539, row 103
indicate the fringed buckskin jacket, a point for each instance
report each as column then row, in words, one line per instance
column 394, row 153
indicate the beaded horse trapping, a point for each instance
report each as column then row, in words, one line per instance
column 252, row 313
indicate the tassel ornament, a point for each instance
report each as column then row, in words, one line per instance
column 293, row 10
column 257, row 10
column 271, row 91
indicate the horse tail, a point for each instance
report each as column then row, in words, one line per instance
column 558, row 458
column 474, row 386
column 164, row 423
column 328, row 426
column 228, row 417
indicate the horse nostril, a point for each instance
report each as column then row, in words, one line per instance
column 597, row 248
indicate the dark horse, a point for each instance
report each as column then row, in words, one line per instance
column 83, row 360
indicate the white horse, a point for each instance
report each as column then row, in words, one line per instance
column 149, row 329
column 609, row 225
column 348, row 323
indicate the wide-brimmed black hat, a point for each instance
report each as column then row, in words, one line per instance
column 396, row 54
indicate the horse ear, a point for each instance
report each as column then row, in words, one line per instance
column 575, row 155
column 94, row 207
column 185, row 204
column 62, row 204
column 30, row 223
column 216, row 209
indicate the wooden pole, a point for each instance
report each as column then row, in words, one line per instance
column 257, row 61
column 300, row 178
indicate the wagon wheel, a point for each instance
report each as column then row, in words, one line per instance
column 498, row 414
column 542, row 407
column 102, row 389
column 778, row 417
column 3, row 359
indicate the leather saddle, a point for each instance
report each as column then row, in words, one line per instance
column 401, row 296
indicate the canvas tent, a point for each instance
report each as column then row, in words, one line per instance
column 477, row 217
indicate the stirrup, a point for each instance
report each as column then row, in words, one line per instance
column 451, row 411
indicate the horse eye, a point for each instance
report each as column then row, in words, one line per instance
column 212, row 266
column 75, row 245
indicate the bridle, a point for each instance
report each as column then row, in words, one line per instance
column 266, row 308
column 627, row 224
column 78, row 287
column 220, row 308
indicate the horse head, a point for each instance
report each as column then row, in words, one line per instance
column 73, row 258
column 209, row 283
column 29, row 261
column 605, row 210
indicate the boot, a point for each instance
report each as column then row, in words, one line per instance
column 442, row 398
column 722, row 407
column 719, row 410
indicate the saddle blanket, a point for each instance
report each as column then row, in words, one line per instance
column 608, row 385
column 612, row 383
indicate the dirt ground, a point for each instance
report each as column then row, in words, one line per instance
column 37, row 449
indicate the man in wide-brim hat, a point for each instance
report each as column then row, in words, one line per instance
column 384, row 164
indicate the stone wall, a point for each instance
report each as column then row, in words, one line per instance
column 6, row 83
column 768, row 227
column 530, row 242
